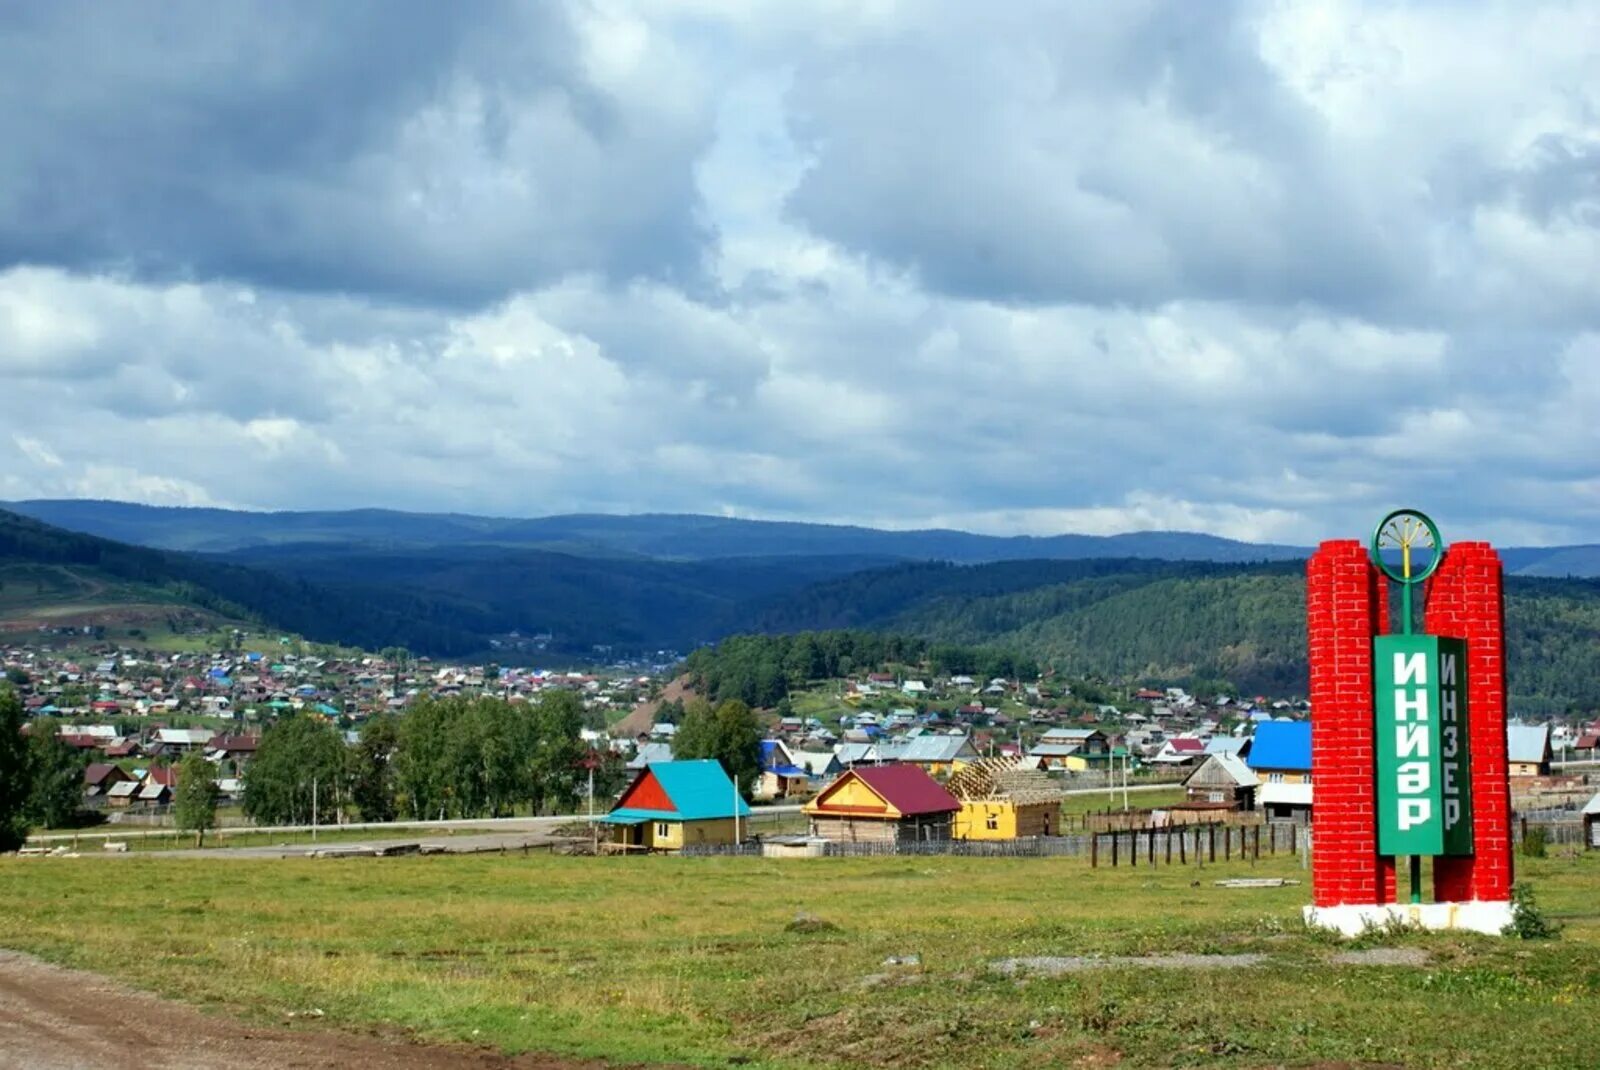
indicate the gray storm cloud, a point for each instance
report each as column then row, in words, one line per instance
column 1253, row 269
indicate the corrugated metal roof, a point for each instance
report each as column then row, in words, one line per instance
column 1220, row 769
column 1282, row 745
column 1527, row 742
column 907, row 788
column 858, row 752
column 930, row 748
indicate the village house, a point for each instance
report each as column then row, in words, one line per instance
column 673, row 805
column 937, row 755
column 649, row 754
column 100, row 777
column 1223, row 778
column 781, row 776
column 820, row 765
column 1001, row 800
column 1528, row 749
column 1180, row 750
column 1077, row 749
column 157, row 786
column 883, row 804
column 851, row 753
column 1280, row 756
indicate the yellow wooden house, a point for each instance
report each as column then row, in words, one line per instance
column 673, row 805
column 1001, row 800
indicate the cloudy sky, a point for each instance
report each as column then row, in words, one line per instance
column 1263, row 270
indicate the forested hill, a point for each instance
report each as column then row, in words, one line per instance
column 370, row 618
column 1125, row 619
column 1177, row 623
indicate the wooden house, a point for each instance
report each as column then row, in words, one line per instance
column 673, row 805
column 937, row 755
column 1223, row 779
column 100, row 777
column 1077, row 749
column 1001, row 799
column 1528, row 751
column 781, row 776
column 883, row 804
column 1280, row 757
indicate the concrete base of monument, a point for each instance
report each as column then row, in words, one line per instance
column 1352, row 919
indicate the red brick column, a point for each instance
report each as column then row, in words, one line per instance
column 1466, row 600
column 1346, row 605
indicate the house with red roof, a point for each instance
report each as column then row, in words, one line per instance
column 883, row 804
column 1181, row 750
column 100, row 777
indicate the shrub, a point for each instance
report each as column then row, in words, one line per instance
column 1528, row 922
column 1535, row 843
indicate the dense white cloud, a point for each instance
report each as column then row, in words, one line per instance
column 1260, row 270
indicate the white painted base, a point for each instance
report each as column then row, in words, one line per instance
column 1354, row 919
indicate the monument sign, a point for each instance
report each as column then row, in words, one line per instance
column 1408, row 730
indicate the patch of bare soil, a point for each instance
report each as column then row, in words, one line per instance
column 644, row 714
column 59, row 1019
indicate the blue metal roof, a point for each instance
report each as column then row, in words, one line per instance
column 1282, row 745
column 699, row 790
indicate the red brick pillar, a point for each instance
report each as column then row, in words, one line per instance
column 1346, row 605
column 1466, row 600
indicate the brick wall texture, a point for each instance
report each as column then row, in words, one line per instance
column 1465, row 599
column 1346, row 606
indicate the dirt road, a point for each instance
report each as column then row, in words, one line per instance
column 58, row 1019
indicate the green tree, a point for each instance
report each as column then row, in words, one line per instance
column 465, row 757
column 731, row 734
column 557, row 766
column 372, row 770
column 55, row 774
column 299, row 757
column 194, row 809
column 423, row 782
column 14, row 773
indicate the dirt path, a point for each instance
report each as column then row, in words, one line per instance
column 58, row 1019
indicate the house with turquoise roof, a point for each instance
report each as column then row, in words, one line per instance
column 673, row 805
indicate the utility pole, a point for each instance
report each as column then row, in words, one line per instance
column 313, row 809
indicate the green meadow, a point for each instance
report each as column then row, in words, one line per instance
column 700, row 960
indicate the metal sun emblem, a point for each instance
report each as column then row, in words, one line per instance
column 1413, row 538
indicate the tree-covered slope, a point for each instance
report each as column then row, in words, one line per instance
column 1156, row 621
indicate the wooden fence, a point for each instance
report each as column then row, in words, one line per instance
column 1022, row 847
column 1194, row 844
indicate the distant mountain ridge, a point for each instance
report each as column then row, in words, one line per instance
column 673, row 537
column 659, row 535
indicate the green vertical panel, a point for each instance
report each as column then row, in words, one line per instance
column 1454, row 754
column 1410, row 793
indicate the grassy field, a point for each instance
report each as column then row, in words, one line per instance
column 694, row 960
